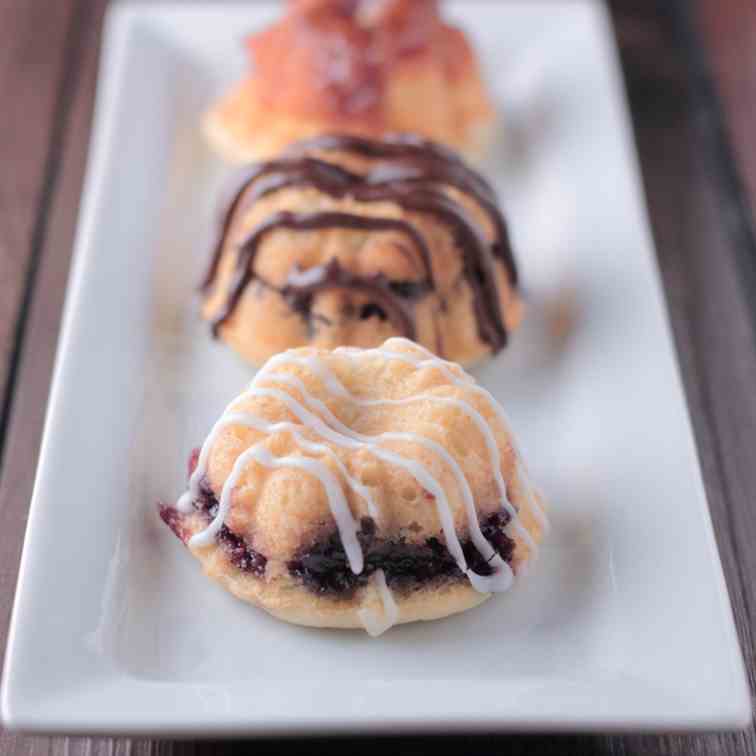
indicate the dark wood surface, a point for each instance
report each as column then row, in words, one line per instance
column 690, row 70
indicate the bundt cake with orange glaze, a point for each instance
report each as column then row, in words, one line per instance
column 364, row 67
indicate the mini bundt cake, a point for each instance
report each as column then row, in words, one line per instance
column 349, row 241
column 360, row 488
column 366, row 67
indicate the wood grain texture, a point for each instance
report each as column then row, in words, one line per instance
column 66, row 147
column 730, row 39
column 700, row 251
column 34, row 61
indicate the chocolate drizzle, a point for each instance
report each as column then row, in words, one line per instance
column 410, row 174
column 414, row 159
column 324, row 277
column 273, row 175
column 409, row 148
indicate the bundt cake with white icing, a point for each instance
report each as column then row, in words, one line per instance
column 360, row 488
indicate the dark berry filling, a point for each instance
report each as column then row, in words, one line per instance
column 239, row 554
column 175, row 521
column 324, row 568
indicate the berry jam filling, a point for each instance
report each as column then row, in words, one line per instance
column 324, row 568
column 239, row 554
column 175, row 521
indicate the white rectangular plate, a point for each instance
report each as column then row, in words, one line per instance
column 623, row 623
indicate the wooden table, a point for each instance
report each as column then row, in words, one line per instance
column 690, row 69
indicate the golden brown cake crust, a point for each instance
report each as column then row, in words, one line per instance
column 279, row 514
column 366, row 68
column 407, row 240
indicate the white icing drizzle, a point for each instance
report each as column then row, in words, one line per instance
column 249, row 420
column 228, row 418
column 502, row 577
column 429, row 360
column 314, row 423
column 345, row 523
column 332, row 382
column 372, row 622
column 184, row 503
column 351, row 440
column 312, row 363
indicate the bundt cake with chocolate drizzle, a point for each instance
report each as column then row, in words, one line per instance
column 344, row 240
column 360, row 488
column 366, row 67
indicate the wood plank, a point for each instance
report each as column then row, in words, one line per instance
column 710, row 316
column 34, row 46
column 78, row 25
column 730, row 35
